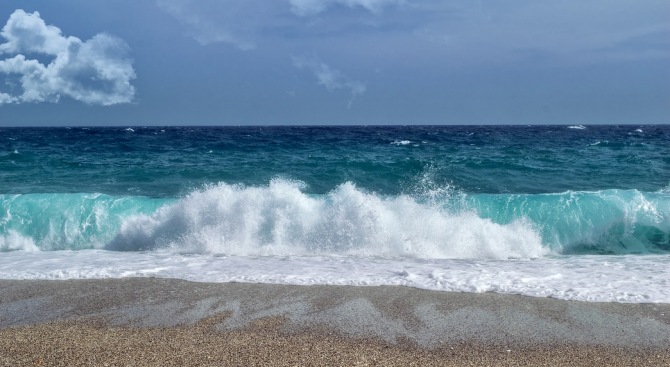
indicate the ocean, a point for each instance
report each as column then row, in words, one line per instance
column 570, row 212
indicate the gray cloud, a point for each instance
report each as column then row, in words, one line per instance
column 457, row 33
column 311, row 7
column 569, row 31
column 243, row 23
column 96, row 71
column 210, row 21
column 237, row 22
column 330, row 78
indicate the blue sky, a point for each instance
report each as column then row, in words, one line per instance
column 328, row 62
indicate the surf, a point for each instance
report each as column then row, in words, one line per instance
column 282, row 219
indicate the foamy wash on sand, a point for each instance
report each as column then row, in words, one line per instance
column 569, row 212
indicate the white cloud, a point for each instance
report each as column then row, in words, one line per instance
column 96, row 71
column 330, row 78
column 311, row 7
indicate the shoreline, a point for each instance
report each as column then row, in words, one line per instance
column 156, row 321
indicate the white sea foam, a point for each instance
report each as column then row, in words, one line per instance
column 577, row 127
column 401, row 142
column 597, row 278
column 14, row 241
column 280, row 219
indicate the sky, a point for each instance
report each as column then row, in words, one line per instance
column 334, row 62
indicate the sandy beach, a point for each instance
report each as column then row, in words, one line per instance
column 159, row 322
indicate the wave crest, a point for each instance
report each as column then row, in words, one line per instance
column 282, row 220
column 14, row 241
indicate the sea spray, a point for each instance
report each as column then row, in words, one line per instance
column 280, row 219
column 14, row 241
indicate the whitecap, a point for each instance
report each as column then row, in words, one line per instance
column 281, row 220
column 14, row 241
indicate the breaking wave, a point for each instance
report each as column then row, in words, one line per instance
column 281, row 219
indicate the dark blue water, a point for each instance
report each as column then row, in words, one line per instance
column 170, row 161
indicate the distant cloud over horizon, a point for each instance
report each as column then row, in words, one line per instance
column 210, row 21
column 97, row 71
column 330, row 78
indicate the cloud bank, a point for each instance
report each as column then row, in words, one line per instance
column 330, row 78
column 97, row 71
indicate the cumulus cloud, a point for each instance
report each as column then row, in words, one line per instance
column 311, row 7
column 330, row 78
column 96, row 71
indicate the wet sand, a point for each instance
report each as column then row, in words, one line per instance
column 159, row 322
